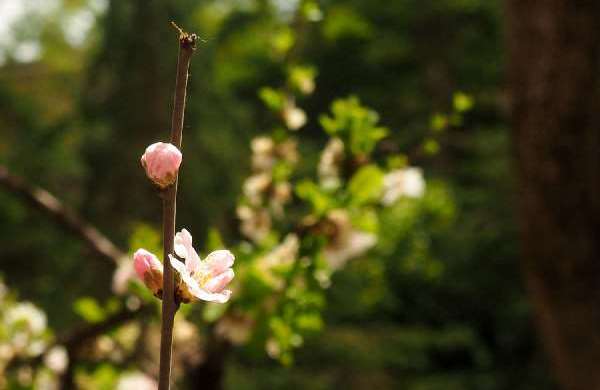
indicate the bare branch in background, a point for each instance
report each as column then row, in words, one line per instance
column 76, row 337
column 61, row 214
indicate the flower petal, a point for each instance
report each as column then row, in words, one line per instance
column 200, row 293
column 218, row 283
column 144, row 261
column 184, row 249
column 221, row 297
column 194, row 288
column 178, row 266
column 183, row 241
column 219, row 261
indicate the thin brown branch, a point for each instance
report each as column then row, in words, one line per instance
column 61, row 214
column 78, row 336
column 74, row 338
column 187, row 45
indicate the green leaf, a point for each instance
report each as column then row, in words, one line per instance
column 366, row 185
column 302, row 78
column 272, row 98
column 354, row 124
column 312, row 193
column 213, row 311
column 214, row 240
column 343, row 22
column 145, row 236
column 365, row 219
column 88, row 309
column 282, row 171
column 439, row 122
column 462, row 102
column 311, row 11
column 309, row 322
column 104, row 377
column 283, row 40
column 431, row 146
column 364, row 139
column 397, row 161
column 329, row 125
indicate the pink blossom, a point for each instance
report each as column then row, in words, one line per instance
column 202, row 279
column 149, row 269
column 161, row 162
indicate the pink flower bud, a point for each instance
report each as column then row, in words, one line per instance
column 144, row 261
column 161, row 162
column 149, row 269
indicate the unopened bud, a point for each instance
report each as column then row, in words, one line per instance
column 149, row 269
column 161, row 162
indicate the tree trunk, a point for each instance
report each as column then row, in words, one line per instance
column 553, row 65
column 210, row 372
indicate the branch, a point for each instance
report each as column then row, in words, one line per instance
column 78, row 336
column 61, row 214
column 74, row 338
column 187, row 45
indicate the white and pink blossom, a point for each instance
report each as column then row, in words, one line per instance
column 202, row 279
column 407, row 182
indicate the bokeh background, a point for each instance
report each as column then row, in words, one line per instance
column 86, row 85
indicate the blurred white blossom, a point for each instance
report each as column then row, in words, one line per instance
column 283, row 255
column 281, row 194
column 26, row 315
column 330, row 164
column 122, row 275
column 263, row 157
column 255, row 222
column 57, row 359
column 293, row 116
column 255, row 186
column 402, row 182
column 137, row 381
column 345, row 242
column 288, row 151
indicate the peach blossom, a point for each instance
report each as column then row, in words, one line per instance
column 202, row 279
column 161, row 162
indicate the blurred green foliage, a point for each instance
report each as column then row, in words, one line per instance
column 437, row 305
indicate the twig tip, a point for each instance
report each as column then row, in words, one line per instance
column 185, row 39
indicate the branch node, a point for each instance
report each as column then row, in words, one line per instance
column 186, row 40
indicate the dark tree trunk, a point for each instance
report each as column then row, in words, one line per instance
column 553, row 66
column 210, row 372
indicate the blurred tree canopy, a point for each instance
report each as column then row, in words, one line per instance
column 438, row 305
